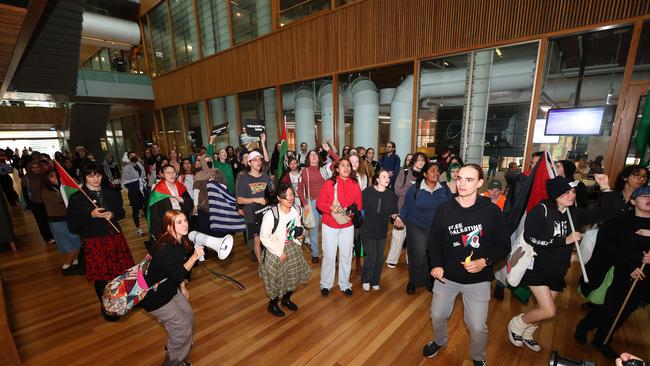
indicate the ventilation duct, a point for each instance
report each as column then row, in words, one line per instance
column 104, row 31
column 365, row 100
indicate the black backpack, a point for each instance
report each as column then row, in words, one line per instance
column 276, row 214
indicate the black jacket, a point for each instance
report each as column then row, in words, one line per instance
column 78, row 214
column 457, row 231
column 166, row 262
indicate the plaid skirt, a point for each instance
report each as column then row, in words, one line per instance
column 280, row 277
column 106, row 257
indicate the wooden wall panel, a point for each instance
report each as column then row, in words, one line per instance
column 370, row 33
column 11, row 18
column 32, row 116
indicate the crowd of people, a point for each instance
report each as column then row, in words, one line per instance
column 451, row 217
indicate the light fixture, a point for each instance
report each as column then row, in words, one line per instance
column 238, row 14
column 445, row 63
column 545, row 108
column 610, row 95
column 498, row 51
column 189, row 47
column 281, row 24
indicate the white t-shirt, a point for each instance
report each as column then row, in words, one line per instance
column 274, row 242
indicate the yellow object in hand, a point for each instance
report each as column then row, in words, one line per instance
column 468, row 259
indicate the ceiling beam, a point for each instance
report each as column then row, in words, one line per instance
column 34, row 12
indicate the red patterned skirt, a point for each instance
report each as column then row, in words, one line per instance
column 106, row 257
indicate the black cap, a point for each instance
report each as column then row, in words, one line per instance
column 494, row 184
column 557, row 186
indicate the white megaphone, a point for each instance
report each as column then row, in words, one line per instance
column 223, row 246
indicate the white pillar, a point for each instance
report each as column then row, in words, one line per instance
column 365, row 100
column 305, row 121
column 401, row 112
column 218, row 117
column 479, row 100
column 326, row 101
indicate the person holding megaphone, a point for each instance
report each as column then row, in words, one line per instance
column 171, row 262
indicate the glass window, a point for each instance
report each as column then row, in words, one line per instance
column 441, row 108
column 223, row 111
column 633, row 155
column 145, row 129
column 149, row 46
column 213, row 24
column 172, row 119
column 105, row 59
column 196, row 126
column 291, row 10
column 160, row 39
column 583, row 70
column 182, row 15
column 343, row 2
column 161, row 138
column 250, row 19
column 641, row 69
column 130, row 134
column 260, row 105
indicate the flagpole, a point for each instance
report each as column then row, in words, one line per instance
column 62, row 171
column 577, row 242
column 620, row 311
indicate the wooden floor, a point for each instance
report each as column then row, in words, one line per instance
column 55, row 320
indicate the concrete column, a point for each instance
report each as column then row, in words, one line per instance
column 326, row 101
column 479, row 100
column 270, row 117
column 365, row 101
column 231, row 115
column 401, row 112
column 305, row 121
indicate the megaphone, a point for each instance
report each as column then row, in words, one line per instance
column 223, row 246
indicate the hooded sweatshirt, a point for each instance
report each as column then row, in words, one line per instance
column 348, row 192
column 457, row 232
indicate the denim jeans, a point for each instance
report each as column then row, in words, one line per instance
column 313, row 233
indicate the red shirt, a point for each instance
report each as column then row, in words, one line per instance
column 348, row 192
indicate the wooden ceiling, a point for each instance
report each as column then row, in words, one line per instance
column 12, row 19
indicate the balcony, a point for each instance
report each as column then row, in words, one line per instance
column 113, row 85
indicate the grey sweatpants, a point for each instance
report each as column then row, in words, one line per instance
column 476, row 299
column 177, row 318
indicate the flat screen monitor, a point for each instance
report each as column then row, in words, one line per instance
column 538, row 133
column 574, row 121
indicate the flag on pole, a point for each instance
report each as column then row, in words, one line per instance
column 283, row 150
column 68, row 185
column 532, row 192
column 160, row 192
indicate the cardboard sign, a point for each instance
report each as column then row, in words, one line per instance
column 254, row 127
column 220, row 130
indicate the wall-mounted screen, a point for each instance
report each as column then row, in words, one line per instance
column 574, row 121
column 538, row 133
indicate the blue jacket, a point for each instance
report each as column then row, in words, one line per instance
column 392, row 164
column 421, row 210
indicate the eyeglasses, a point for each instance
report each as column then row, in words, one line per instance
column 640, row 176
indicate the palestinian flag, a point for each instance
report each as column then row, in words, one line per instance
column 68, row 185
column 161, row 192
column 643, row 136
column 283, row 150
column 532, row 192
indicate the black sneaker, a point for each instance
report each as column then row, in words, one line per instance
column 70, row 271
column 347, row 292
column 480, row 363
column 274, row 309
column 431, row 349
column 410, row 289
column 324, row 291
column 605, row 350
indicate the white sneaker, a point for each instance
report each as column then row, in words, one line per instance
column 514, row 337
column 139, row 232
column 365, row 287
column 528, row 340
column 375, row 288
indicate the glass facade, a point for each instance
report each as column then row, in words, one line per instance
column 184, row 31
column 196, row 126
column 160, row 38
column 173, row 130
column 641, row 69
column 213, row 25
column 590, row 78
column 292, row 10
column 250, row 19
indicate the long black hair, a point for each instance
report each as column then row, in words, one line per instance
column 619, row 185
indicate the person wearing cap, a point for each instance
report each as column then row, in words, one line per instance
column 567, row 169
column 495, row 193
column 630, row 234
column 548, row 231
column 250, row 195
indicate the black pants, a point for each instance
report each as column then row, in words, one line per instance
column 419, row 271
column 136, row 215
column 602, row 317
column 357, row 243
column 40, row 215
column 372, row 264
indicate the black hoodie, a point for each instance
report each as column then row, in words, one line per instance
column 456, row 232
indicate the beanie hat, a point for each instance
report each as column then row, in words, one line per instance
column 641, row 191
column 557, row 186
